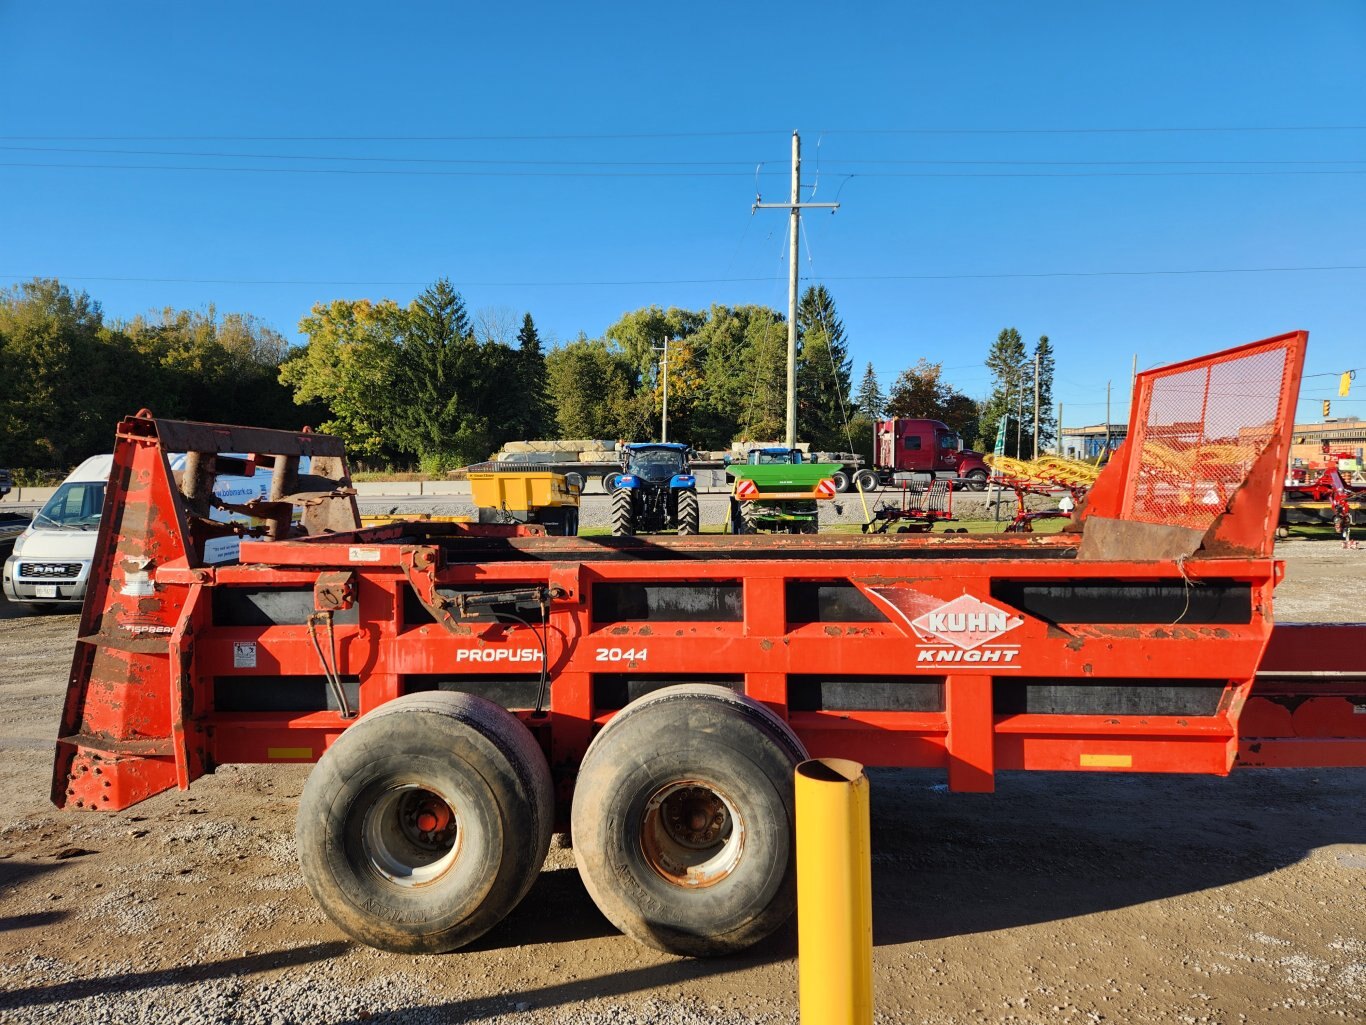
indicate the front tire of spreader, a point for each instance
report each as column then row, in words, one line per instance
column 684, row 820
column 426, row 822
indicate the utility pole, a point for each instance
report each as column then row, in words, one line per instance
column 1037, row 414
column 1107, row 416
column 664, row 370
column 795, row 207
column 1059, row 430
column 1019, row 418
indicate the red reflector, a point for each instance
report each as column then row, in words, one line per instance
column 826, row 488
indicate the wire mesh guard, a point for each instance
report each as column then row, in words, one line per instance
column 1202, row 425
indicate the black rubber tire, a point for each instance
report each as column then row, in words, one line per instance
column 716, row 740
column 976, row 480
column 842, row 481
column 570, row 524
column 867, row 480
column 623, row 513
column 689, row 513
column 749, row 520
column 483, row 763
column 609, row 481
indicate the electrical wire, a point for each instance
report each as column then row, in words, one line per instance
column 543, row 690
column 1002, row 276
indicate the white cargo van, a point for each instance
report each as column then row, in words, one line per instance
column 51, row 559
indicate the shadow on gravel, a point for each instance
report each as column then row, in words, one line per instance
column 36, row 996
column 580, row 991
column 12, row 873
column 1053, row 846
column 557, row 910
column 13, row 923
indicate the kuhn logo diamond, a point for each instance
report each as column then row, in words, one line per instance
column 966, row 622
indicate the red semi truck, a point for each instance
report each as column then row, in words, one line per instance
column 909, row 445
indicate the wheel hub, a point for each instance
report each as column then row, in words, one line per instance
column 410, row 835
column 691, row 834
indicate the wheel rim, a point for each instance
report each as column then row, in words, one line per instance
column 691, row 834
column 410, row 835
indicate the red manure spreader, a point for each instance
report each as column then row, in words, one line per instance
column 465, row 690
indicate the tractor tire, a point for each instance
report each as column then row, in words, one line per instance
column 683, row 820
column 689, row 513
column 748, row 522
column 842, row 481
column 570, row 523
column 623, row 513
column 426, row 822
column 976, row 480
column 866, row 480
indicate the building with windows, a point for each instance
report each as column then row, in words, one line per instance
column 1089, row 442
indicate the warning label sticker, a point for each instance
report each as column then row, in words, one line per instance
column 244, row 654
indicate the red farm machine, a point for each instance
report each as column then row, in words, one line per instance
column 467, row 689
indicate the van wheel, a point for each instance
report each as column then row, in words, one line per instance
column 426, row 822
column 684, row 819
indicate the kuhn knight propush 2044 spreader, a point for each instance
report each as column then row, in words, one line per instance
column 467, row 689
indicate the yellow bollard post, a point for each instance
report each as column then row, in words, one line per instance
column 834, row 894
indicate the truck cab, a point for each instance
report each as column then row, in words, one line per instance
column 930, row 447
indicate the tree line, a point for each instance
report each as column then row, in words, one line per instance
column 67, row 375
column 427, row 383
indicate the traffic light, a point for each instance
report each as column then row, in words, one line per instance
column 1327, row 407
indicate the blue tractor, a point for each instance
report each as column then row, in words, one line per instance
column 654, row 492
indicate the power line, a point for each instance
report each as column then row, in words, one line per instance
column 732, row 133
column 1152, row 130
column 414, row 172
column 391, row 171
column 705, row 281
column 389, row 160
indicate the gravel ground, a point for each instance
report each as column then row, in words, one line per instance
column 1060, row 898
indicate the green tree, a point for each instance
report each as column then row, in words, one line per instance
column 592, row 385
column 919, row 391
column 52, row 365
column 453, row 403
column 870, row 402
column 765, row 405
column 1006, row 360
column 636, row 334
column 823, row 372
column 1046, row 417
column 349, row 365
column 534, row 418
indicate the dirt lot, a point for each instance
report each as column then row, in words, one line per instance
column 1058, row 899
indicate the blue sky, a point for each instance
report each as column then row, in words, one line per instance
column 579, row 161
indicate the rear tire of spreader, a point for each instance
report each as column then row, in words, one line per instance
column 684, row 820
column 426, row 822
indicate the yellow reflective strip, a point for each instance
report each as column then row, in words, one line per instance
column 289, row 752
column 1107, row 761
